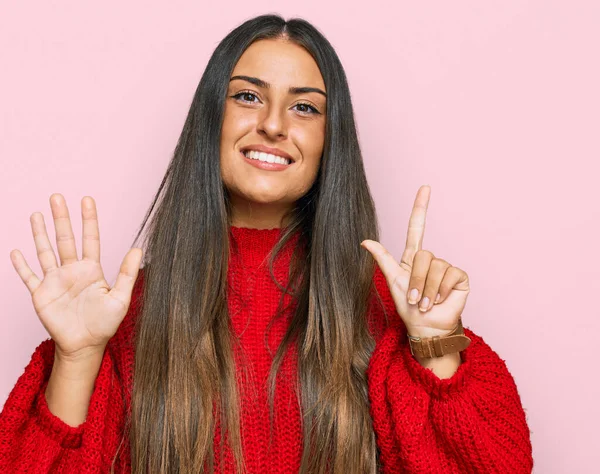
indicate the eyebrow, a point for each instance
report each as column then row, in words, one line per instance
column 265, row 85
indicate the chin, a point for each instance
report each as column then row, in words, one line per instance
column 265, row 195
column 264, row 198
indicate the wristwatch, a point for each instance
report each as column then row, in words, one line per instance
column 436, row 346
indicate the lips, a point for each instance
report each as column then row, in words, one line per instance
column 267, row 149
column 265, row 165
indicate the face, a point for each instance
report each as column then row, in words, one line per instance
column 261, row 110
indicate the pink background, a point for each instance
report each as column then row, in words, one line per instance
column 495, row 105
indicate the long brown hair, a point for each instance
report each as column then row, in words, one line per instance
column 184, row 360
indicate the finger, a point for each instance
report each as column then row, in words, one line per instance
column 29, row 278
column 454, row 278
column 127, row 276
column 416, row 225
column 386, row 261
column 418, row 275
column 65, row 240
column 44, row 249
column 437, row 271
column 91, row 231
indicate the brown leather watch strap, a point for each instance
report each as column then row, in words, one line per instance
column 436, row 346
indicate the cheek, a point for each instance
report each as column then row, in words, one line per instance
column 312, row 145
column 228, row 128
column 235, row 125
column 313, row 142
column 309, row 136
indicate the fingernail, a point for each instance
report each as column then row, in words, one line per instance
column 412, row 298
column 424, row 304
column 437, row 298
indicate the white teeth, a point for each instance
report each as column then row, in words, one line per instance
column 266, row 157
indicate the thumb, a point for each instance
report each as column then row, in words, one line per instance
column 128, row 273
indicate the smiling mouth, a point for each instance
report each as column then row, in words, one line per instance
column 266, row 157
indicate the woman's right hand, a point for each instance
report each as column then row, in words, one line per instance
column 74, row 301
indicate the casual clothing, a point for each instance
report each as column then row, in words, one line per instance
column 472, row 422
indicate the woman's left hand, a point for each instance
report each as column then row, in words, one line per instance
column 420, row 269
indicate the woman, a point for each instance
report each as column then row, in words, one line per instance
column 264, row 338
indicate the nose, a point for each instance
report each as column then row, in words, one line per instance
column 272, row 122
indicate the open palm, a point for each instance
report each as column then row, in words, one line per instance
column 74, row 301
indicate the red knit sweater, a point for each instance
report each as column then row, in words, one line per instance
column 471, row 423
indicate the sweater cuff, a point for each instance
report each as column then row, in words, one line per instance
column 66, row 435
column 55, row 428
column 431, row 383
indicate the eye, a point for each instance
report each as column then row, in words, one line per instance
column 246, row 96
column 244, row 93
column 303, row 104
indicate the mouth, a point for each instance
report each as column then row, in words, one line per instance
column 255, row 160
column 266, row 158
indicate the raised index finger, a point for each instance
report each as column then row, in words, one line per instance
column 416, row 225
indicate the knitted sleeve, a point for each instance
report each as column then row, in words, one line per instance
column 34, row 440
column 473, row 422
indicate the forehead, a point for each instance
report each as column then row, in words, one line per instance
column 281, row 63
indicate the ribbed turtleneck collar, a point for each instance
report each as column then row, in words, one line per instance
column 254, row 245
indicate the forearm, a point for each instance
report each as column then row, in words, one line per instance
column 70, row 387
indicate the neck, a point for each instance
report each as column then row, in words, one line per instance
column 256, row 215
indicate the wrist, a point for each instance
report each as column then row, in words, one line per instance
column 70, row 387
column 425, row 332
column 438, row 349
column 443, row 367
column 80, row 355
column 82, row 368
